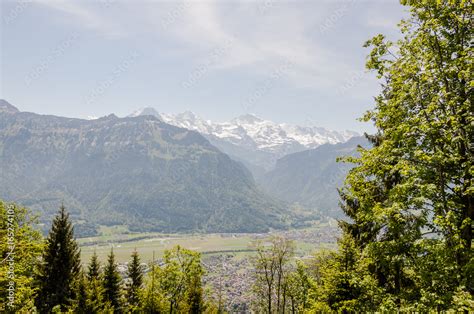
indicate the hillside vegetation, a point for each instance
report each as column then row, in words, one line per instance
column 139, row 172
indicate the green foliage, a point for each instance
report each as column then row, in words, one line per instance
column 61, row 286
column 93, row 271
column 112, row 284
column 309, row 177
column 170, row 180
column 16, row 223
column 176, row 286
column 95, row 292
column 195, row 296
column 135, row 283
column 424, row 116
column 410, row 198
column 277, row 286
column 407, row 243
column 81, row 302
column 152, row 298
column 96, row 302
column 298, row 287
column 60, row 267
column 180, row 280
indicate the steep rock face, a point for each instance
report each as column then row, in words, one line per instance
column 136, row 171
column 312, row 177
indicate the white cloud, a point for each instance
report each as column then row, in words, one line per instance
column 261, row 41
column 255, row 35
column 84, row 16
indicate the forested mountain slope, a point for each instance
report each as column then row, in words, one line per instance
column 312, row 177
column 137, row 171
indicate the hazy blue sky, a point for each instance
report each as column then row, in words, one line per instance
column 297, row 62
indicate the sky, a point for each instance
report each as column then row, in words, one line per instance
column 299, row 62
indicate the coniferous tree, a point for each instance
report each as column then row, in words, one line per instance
column 94, row 268
column 96, row 302
column 81, row 304
column 60, row 267
column 135, row 275
column 95, row 289
column 362, row 231
column 111, row 283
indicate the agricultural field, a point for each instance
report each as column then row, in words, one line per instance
column 227, row 258
column 148, row 245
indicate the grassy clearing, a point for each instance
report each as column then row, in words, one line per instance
column 158, row 243
column 147, row 244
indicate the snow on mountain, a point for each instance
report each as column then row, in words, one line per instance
column 254, row 133
column 147, row 111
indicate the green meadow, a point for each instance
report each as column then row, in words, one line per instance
column 154, row 244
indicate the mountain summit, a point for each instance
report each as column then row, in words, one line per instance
column 135, row 171
column 5, row 106
column 146, row 111
column 257, row 142
column 248, row 118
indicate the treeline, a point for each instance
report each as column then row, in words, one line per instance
column 48, row 277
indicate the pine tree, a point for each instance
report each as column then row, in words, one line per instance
column 95, row 290
column 94, row 268
column 111, row 283
column 81, row 305
column 362, row 231
column 60, row 267
column 343, row 291
column 135, row 275
column 95, row 298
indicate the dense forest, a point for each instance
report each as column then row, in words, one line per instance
column 406, row 241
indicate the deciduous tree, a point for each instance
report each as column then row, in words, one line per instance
column 411, row 197
column 20, row 253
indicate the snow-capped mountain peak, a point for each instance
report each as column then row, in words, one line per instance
column 248, row 118
column 253, row 133
column 145, row 111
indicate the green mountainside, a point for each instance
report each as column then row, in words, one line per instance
column 311, row 177
column 136, row 171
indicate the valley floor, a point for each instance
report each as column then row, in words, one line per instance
column 320, row 235
column 227, row 258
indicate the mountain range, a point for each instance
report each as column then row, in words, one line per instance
column 172, row 172
column 256, row 142
column 136, row 171
column 296, row 164
column 311, row 177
